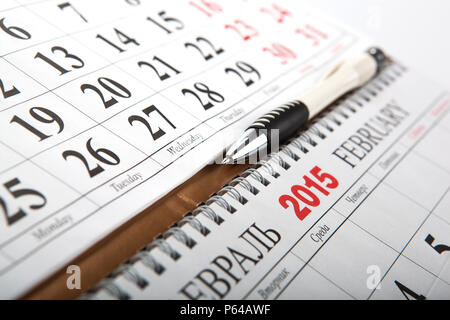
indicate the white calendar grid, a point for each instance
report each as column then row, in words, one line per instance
column 408, row 259
column 32, row 160
column 384, row 230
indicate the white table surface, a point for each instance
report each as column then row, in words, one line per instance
column 416, row 32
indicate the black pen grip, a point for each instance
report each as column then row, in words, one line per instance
column 287, row 118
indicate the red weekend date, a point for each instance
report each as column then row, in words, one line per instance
column 305, row 195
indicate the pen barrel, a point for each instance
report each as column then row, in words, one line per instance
column 287, row 119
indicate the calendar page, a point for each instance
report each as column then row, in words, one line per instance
column 356, row 207
column 105, row 106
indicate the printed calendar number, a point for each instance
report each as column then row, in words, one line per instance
column 242, row 29
column 304, row 194
column 102, row 155
column 439, row 248
column 312, row 33
column 13, row 188
column 209, row 8
column 276, row 12
column 203, row 89
column 113, row 87
column 9, row 91
column 65, row 5
column 208, row 52
column 165, row 74
column 166, row 23
column 243, row 68
column 156, row 134
column 280, row 51
column 42, row 115
column 407, row 292
column 79, row 63
column 15, row 32
column 123, row 39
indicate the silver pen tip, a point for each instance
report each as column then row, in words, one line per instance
column 227, row 160
column 246, row 148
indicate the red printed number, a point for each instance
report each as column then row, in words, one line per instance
column 280, row 51
column 245, row 31
column 312, row 33
column 276, row 12
column 304, row 193
column 206, row 7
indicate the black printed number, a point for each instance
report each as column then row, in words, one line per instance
column 15, row 32
column 57, row 66
column 439, row 248
column 207, row 53
column 7, row 93
column 42, row 115
column 161, row 74
column 17, row 193
column 112, row 86
column 103, row 155
column 156, row 134
column 243, row 68
column 166, row 23
column 64, row 5
column 122, row 37
column 212, row 96
column 407, row 292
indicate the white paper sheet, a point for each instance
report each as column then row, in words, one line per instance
column 371, row 220
column 99, row 115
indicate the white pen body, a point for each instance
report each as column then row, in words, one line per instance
column 348, row 76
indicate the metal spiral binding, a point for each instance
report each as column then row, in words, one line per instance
column 318, row 130
column 130, row 273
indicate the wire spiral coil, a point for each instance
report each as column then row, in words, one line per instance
column 261, row 175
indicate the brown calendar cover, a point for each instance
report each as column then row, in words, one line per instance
column 105, row 256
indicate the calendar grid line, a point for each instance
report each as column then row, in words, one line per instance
column 111, row 63
column 156, row 92
column 368, row 232
column 424, row 157
column 56, row 27
column 6, row 256
column 433, row 103
column 406, row 245
column 185, row 132
column 406, row 196
column 410, row 150
column 14, row 261
column 412, row 200
column 399, row 252
column 70, row 35
column 143, row 99
column 104, row 205
column 110, row 105
column 12, row 8
column 11, row 149
column 325, row 277
column 101, row 125
column 435, row 281
column 443, row 269
column 21, row 5
column 30, row 3
column 403, row 194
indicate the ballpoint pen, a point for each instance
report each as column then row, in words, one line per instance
column 290, row 117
